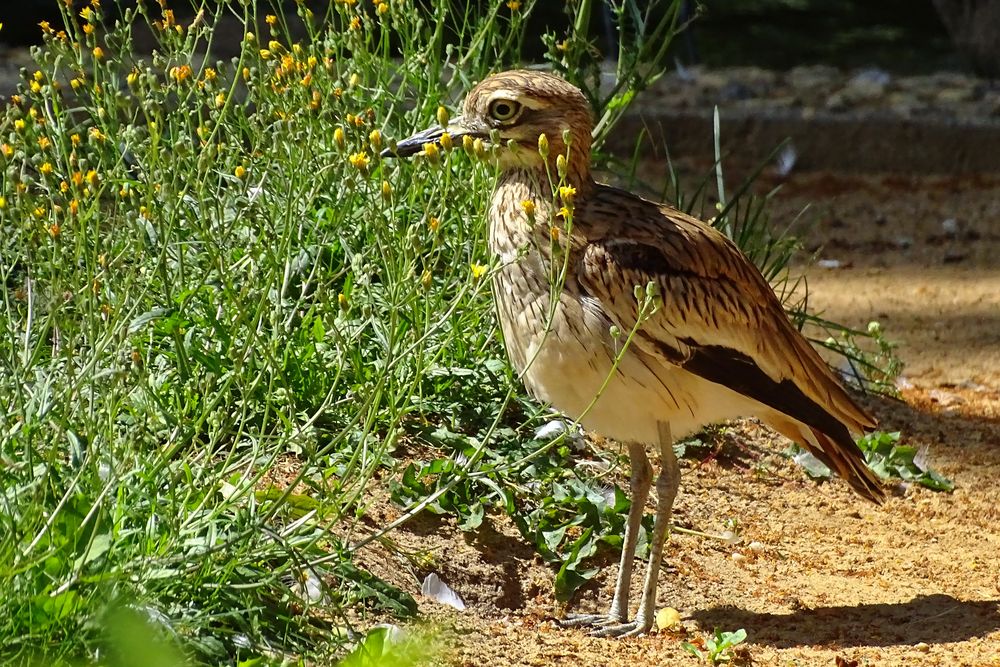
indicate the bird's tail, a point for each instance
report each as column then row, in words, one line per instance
column 839, row 452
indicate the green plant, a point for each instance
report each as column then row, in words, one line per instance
column 717, row 648
column 886, row 457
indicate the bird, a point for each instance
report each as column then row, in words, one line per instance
column 639, row 321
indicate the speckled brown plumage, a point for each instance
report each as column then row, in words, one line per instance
column 717, row 346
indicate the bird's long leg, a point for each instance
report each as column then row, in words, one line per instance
column 639, row 484
column 667, row 483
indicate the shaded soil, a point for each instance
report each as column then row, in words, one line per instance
column 833, row 580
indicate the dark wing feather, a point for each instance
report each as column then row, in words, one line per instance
column 719, row 319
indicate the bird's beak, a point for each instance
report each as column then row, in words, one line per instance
column 456, row 129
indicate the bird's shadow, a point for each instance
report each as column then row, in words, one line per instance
column 932, row 619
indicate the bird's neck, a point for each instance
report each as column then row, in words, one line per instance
column 527, row 207
column 541, row 183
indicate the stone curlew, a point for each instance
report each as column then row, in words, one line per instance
column 642, row 322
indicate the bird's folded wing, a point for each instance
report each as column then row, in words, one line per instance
column 717, row 318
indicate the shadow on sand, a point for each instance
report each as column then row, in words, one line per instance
column 933, row 619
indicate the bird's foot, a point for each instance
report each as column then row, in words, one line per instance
column 596, row 621
column 606, row 625
column 620, row 630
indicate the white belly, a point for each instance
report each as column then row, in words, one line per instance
column 568, row 359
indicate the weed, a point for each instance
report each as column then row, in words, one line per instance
column 717, row 648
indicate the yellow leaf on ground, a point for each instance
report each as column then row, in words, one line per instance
column 667, row 618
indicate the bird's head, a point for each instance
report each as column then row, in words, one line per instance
column 513, row 109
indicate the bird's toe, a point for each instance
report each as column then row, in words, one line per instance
column 621, row 630
column 597, row 621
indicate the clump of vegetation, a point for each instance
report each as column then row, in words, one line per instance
column 716, row 649
column 222, row 314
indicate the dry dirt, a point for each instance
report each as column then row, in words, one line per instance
column 838, row 581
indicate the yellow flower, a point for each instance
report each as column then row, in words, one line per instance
column 220, row 100
column 445, row 141
column 479, row 148
column 355, row 23
column 98, row 53
column 566, row 193
column 565, row 212
column 180, row 73
column 274, row 45
column 76, row 83
column 561, row 166
column 432, row 152
column 54, row 229
column 210, row 74
column 97, row 135
column 44, row 142
column 265, row 54
column 529, row 207
column 467, row 144
column 74, row 207
column 88, row 28
column 271, row 19
column 343, row 302
column 434, row 224
column 92, row 178
column 513, row 5
column 359, row 161
column 442, row 116
column 383, row 9
column 240, row 172
column 554, row 234
column 375, row 139
column 87, row 13
column 35, row 87
column 6, row 150
column 74, row 139
column 46, row 168
column 338, row 137
column 3, row 202
column 478, row 270
column 543, row 145
column 132, row 77
column 386, row 190
column 19, row 124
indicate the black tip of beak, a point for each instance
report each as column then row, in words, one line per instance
column 415, row 144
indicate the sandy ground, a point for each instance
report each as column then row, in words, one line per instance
column 833, row 580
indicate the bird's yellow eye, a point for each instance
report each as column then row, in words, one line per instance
column 504, row 110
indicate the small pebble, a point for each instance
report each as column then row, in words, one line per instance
column 756, row 547
column 739, row 558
